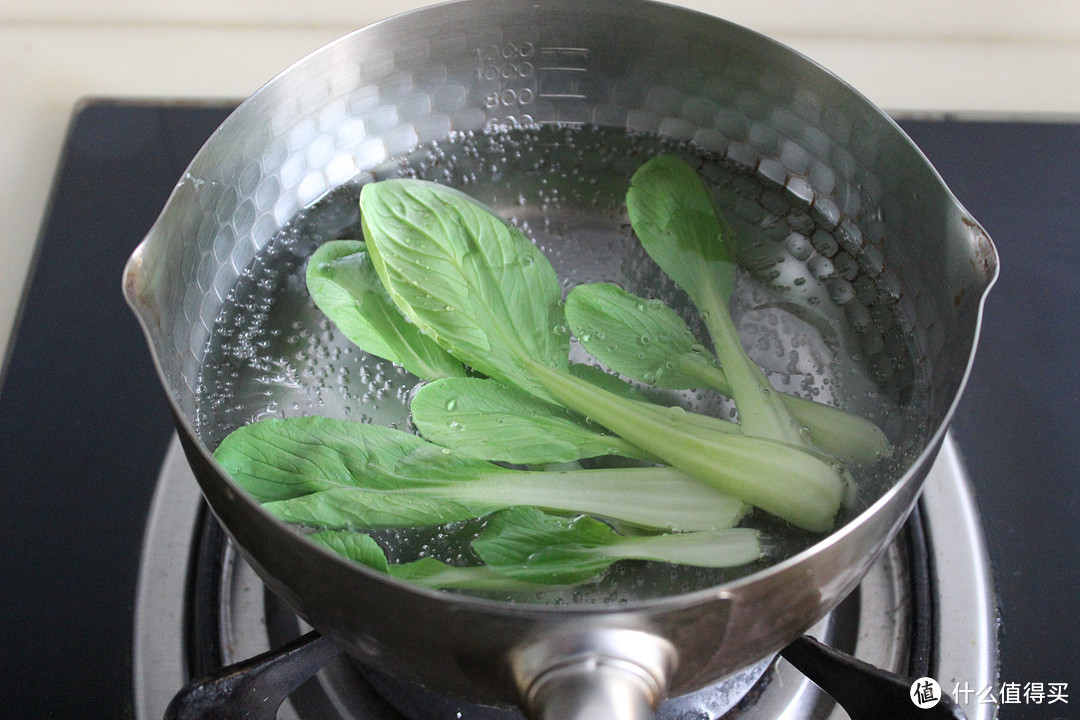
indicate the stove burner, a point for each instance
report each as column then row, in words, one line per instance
column 229, row 616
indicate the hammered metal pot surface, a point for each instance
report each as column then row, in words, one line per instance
column 344, row 113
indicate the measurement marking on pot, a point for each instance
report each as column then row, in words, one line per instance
column 558, row 49
column 567, row 59
column 557, row 65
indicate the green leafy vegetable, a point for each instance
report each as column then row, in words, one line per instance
column 338, row 474
column 466, row 278
column 344, row 286
column 787, row 481
column 648, row 341
column 485, row 419
column 362, row 548
column 448, row 290
column 643, row 339
column 489, row 296
column 529, row 545
column 427, row 572
column 675, row 219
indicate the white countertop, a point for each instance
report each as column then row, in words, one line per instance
column 926, row 56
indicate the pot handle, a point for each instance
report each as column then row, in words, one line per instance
column 611, row 673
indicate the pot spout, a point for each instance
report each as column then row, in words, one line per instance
column 135, row 288
column 146, row 290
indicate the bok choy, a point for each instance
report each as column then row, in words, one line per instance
column 525, row 549
column 344, row 475
column 449, row 291
column 483, row 418
column 489, row 297
column 427, row 572
column 528, row 545
column 342, row 281
column 648, row 341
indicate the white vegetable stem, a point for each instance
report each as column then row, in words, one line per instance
column 780, row 479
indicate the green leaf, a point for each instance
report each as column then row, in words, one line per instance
column 361, row 508
column 610, row 322
column 677, row 223
column 606, row 381
column 427, row 572
column 529, row 545
column 675, row 220
column 466, row 277
column 644, row 340
column 486, row 419
column 278, row 459
column 366, row 476
column 343, row 284
column 358, row 547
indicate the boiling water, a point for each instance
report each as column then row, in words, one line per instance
column 808, row 311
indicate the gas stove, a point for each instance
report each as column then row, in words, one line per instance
column 119, row 587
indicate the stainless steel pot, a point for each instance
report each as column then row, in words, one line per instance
column 340, row 115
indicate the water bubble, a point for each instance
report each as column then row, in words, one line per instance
column 675, row 413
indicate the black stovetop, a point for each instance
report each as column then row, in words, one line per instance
column 84, row 424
